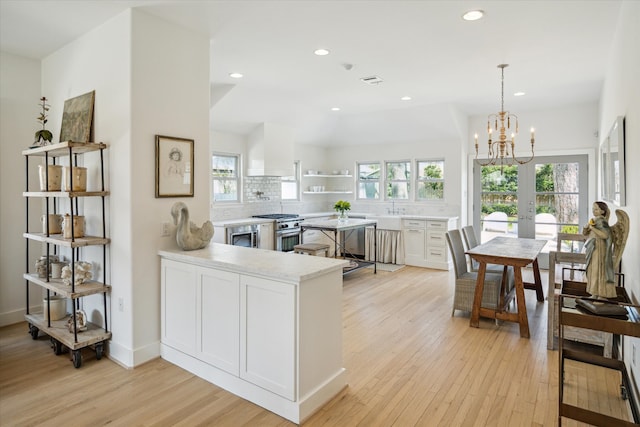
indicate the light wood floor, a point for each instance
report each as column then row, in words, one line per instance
column 409, row 363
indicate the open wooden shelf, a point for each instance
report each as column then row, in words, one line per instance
column 58, row 286
column 62, row 149
column 60, row 331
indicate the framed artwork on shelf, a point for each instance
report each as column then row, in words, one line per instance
column 174, row 167
column 77, row 118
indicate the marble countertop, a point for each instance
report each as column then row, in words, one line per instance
column 335, row 224
column 283, row 266
column 310, row 216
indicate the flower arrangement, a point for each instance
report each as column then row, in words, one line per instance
column 342, row 206
column 43, row 136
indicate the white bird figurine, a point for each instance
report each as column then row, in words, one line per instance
column 188, row 235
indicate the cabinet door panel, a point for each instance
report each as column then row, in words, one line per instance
column 415, row 244
column 178, row 305
column 219, row 334
column 267, row 237
column 267, row 334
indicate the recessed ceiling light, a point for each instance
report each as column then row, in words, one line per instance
column 235, row 75
column 335, row 109
column 473, row 15
column 321, row 52
column 406, row 98
column 519, row 94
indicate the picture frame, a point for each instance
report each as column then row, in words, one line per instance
column 174, row 166
column 77, row 118
column 613, row 165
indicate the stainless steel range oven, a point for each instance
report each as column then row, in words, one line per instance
column 287, row 230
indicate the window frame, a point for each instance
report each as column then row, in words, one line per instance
column 388, row 182
column 367, row 181
column 237, row 178
column 297, row 177
column 420, row 180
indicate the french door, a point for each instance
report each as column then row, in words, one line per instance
column 537, row 200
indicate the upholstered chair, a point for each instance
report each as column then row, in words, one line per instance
column 495, row 294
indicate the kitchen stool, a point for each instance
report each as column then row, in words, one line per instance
column 312, row 249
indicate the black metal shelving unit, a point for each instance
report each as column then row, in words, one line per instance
column 58, row 330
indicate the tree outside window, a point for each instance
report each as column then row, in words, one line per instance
column 430, row 185
column 398, row 180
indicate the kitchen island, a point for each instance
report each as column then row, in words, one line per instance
column 331, row 228
column 264, row 325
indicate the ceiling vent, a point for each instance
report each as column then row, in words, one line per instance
column 372, row 80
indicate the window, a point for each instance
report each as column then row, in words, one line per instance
column 291, row 184
column 369, row 181
column 430, row 180
column 398, row 182
column 226, row 180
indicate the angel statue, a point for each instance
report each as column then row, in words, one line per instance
column 604, row 249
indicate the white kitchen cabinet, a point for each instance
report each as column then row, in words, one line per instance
column 218, row 318
column 425, row 242
column 267, row 235
column 267, row 335
column 178, row 309
column 415, row 248
column 256, row 324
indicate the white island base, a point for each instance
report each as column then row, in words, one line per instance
column 264, row 325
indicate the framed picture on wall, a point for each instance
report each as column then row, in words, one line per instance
column 174, row 166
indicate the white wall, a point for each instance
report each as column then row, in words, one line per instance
column 561, row 131
column 170, row 96
column 345, row 157
column 19, row 95
column 310, row 157
column 621, row 97
column 150, row 77
column 100, row 61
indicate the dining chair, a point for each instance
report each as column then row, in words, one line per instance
column 471, row 241
column 495, row 293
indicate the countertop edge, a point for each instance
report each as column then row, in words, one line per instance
column 257, row 262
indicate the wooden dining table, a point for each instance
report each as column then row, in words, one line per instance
column 508, row 251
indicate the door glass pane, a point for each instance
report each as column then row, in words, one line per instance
column 499, row 199
column 557, row 201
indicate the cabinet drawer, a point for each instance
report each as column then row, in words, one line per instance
column 413, row 223
column 437, row 225
column 437, row 254
column 435, row 239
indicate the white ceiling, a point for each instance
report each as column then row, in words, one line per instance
column 557, row 51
